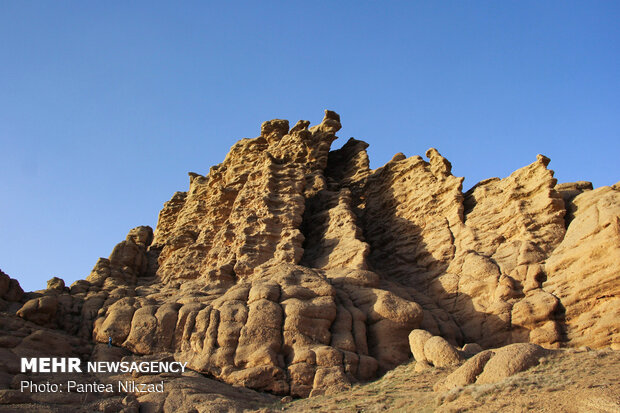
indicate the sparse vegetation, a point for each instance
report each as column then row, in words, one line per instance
column 564, row 381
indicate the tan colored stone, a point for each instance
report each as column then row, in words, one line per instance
column 10, row 289
column 40, row 310
column 56, row 284
column 471, row 349
column 417, row 340
column 509, row 360
column 466, row 374
column 440, row 353
column 583, row 271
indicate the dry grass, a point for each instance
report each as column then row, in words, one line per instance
column 400, row 390
column 566, row 381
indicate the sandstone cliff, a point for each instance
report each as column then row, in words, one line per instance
column 295, row 269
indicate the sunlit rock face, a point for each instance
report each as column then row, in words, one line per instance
column 295, row 269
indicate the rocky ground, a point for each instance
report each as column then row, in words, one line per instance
column 564, row 381
column 296, row 271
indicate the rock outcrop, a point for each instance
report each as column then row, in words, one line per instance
column 10, row 291
column 491, row 366
column 434, row 350
column 297, row 270
column 584, row 270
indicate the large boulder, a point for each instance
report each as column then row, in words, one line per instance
column 491, row 366
column 440, row 353
column 40, row 310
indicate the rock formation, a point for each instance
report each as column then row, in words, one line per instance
column 295, row 269
column 491, row 366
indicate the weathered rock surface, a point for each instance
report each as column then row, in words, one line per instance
column 491, row 366
column 584, row 270
column 510, row 360
column 441, row 353
column 297, row 270
column 466, row 374
column 10, row 290
column 434, row 350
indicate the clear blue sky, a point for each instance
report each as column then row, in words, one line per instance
column 105, row 106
